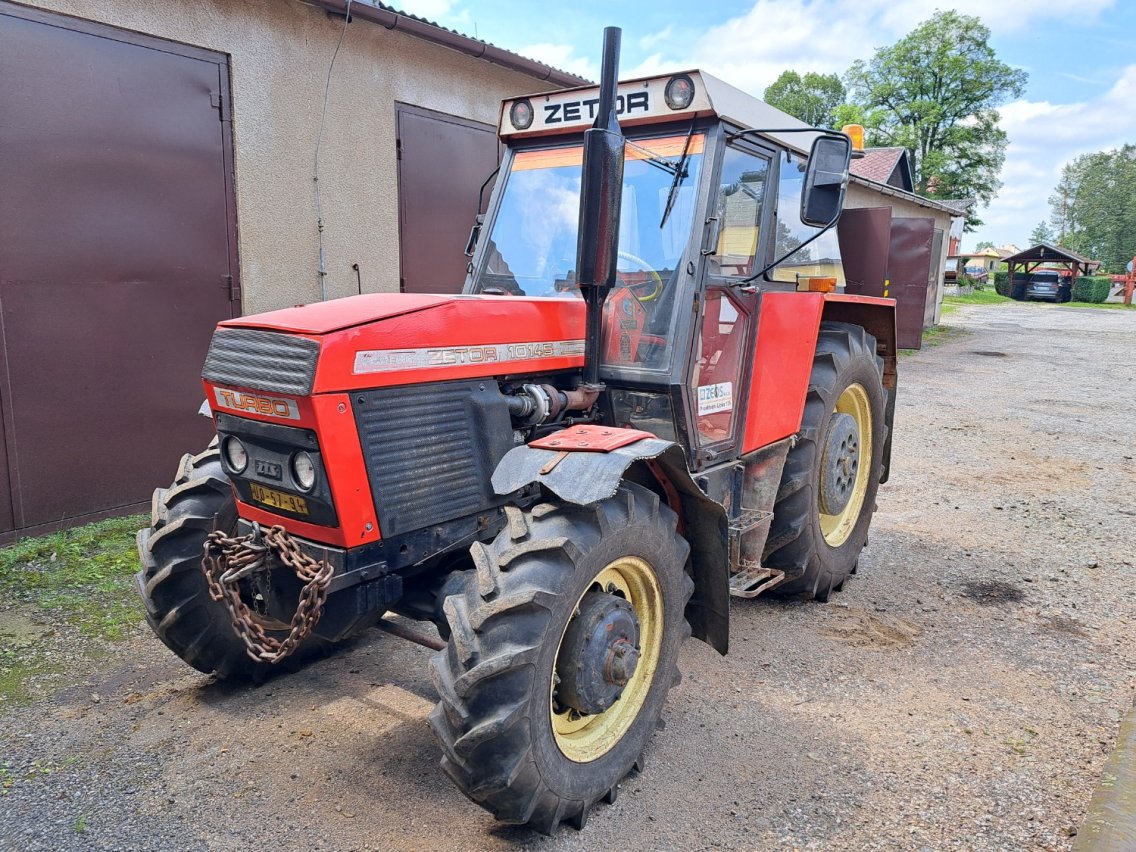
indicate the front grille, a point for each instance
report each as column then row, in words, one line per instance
column 431, row 449
column 263, row 360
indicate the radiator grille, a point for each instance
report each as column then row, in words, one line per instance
column 431, row 450
column 264, row 360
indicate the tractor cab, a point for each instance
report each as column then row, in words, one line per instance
column 711, row 217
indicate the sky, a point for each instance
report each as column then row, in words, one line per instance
column 1080, row 56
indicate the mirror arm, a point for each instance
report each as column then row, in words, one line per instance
column 790, row 253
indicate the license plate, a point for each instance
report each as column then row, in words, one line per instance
column 278, row 499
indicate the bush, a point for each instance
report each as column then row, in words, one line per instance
column 1092, row 290
column 1002, row 283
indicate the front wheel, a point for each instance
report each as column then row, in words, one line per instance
column 828, row 487
column 564, row 643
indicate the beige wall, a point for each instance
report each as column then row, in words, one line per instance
column 279, row 54
column 863, row 196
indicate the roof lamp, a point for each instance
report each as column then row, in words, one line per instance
column 855, row 132
column 679, row 92
column 521, row 114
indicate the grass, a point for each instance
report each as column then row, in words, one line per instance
column 989, row 297
column 82, row 575
column 78, row 578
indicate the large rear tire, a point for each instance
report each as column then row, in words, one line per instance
column 828, row 487
column 510, row 742
column 171, row 583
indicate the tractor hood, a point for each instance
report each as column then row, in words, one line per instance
column 387, row 339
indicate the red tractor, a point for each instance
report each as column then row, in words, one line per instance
column 651, row 395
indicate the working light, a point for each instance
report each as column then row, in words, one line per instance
column 521, row 114
column 235, row 454
column 679, row 92
column 303, row 471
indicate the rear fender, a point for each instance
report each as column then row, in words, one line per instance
column 877, row 317
column 583, row 477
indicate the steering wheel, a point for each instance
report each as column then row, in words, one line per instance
column 652, row 276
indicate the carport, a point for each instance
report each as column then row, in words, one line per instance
column 1020, row 265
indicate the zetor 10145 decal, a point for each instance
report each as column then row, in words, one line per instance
column 627, row 417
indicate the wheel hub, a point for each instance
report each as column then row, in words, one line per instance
column 599, row 653
column 839, row 464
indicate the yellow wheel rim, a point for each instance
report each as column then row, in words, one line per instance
column 582, row 737
column 837, row 528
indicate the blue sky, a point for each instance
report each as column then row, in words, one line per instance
column 1080, row 55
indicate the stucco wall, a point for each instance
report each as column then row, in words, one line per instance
column 279, row 55
column 862, row 196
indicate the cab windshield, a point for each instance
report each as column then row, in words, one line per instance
column 531, row 250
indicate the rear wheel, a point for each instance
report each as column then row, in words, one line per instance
column 828, row 487
column 564, row 643
column 171, row 583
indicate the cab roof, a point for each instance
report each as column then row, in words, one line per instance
column 642, row 100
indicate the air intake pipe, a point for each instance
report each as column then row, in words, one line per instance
column 601, row 193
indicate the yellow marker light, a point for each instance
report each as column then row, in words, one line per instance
column 855, row 132
column 818, row 285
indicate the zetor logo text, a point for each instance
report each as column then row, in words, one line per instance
column 269, row 405
column 586, row 109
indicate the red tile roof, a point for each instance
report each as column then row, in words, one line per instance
column 877, row 164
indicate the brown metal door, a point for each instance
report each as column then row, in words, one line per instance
column 909, row 269
column 117, row 237
column 443, row 161
column 864, row 234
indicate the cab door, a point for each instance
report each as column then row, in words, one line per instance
column 733, row 250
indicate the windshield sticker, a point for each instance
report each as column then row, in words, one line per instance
column 715, row 398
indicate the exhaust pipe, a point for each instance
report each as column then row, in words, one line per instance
column 601, row 193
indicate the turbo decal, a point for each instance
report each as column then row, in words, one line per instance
column 393, row 360
column 250, row 402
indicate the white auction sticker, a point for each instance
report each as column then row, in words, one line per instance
column 714, row 398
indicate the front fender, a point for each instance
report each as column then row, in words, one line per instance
column 583, row 477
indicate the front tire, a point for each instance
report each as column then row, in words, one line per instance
column 828, row 492
column 510, row 742
column 171, row 583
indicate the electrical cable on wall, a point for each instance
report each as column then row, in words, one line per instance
column 322, row 275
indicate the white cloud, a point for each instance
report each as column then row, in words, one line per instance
column 1043, row 137
column 562, row 56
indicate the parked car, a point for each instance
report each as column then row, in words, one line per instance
column 1048, row 286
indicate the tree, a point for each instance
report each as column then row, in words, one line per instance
column 1094, row 206
column 1042, row 233
column 985, row 244
column 812, row 98
column 935, row 93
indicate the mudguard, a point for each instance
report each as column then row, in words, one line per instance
column 587, row 474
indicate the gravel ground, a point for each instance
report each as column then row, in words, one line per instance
column 963, row 692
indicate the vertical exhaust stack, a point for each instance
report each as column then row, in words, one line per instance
column 601, row 193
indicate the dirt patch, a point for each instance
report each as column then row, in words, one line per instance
column 988, row 353
column 864, row 629
column 1065, row 624
column 992, row 592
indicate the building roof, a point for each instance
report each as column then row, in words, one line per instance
column 1048, row 253
column 427, row 30
column 885, row 165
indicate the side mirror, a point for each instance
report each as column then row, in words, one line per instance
column 826, row 178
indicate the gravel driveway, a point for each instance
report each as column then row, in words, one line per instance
column 963, row 691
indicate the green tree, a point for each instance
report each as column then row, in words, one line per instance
column 813, row 98
column 1094, row 206
column 985, row 244
column 1042, row 233
column 935, row 93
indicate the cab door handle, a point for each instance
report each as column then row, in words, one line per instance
column 710, row 236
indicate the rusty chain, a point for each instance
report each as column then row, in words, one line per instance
column 229, row 559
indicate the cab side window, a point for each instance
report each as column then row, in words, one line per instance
column 739, row 206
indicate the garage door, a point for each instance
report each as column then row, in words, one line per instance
column 117, row 243
column 442, row 163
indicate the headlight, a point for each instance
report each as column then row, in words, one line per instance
column 303, row 471
column 236, row 457
column 521, row 114
column 679, row 92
